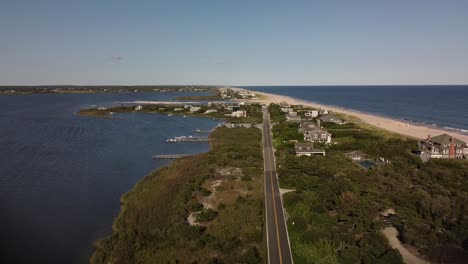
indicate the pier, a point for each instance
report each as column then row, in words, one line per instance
column 203, row 131
column 170, row 156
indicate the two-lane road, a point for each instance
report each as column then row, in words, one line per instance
column 279, row 250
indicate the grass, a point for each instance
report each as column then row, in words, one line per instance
column 152, row 226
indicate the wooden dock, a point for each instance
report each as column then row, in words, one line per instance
column 203, row 131
column 170, row 156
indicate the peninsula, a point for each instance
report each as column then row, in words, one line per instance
column 353, row 190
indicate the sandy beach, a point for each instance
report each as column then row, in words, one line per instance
column 392, row 125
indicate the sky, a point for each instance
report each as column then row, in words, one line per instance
column 329, row 42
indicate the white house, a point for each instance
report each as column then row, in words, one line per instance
column 139, row 108
column 194, row 109
column 239, row 113
column 311, row 113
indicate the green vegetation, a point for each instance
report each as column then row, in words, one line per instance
column 152, row 225
column 254, row 111
column 276, row 115
column 335, row 212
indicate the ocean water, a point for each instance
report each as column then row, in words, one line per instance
column 62, row 175
column 443, row 105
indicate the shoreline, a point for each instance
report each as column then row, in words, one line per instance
column 404, row 128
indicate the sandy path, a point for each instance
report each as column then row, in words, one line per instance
column 396, row 126
column 391, row 234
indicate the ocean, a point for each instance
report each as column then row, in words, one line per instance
column 444, row 106
column 62, row 175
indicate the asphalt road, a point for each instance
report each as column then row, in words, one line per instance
column 279, row 250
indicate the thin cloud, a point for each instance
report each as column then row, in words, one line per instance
column 117, row 58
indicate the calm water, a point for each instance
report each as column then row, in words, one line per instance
column 61, row 175
column 444, row 106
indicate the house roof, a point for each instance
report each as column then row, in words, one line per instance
column 315, row 130
column 446, row 139
column 356, row 153
column 330, row 118
column 307, row 124
column 306, row 147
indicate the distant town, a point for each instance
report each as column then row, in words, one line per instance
column 105, row 89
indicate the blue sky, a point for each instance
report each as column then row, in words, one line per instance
column 233, row 42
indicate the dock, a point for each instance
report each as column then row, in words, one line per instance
column 170, row 156
column 203, row 131
column 187, row 139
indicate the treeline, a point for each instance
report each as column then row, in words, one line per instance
column 107, row 88
column 254, row 112
column 152, row 226
column 276, row 115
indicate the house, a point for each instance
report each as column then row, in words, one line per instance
column 211, row 111
column 307, row 149
column 356, row 155
column 333, row 119
column 317, row 135
column 239, row 113
column 443, row 146
column 293, row 118
column 139, row 108
column 283, row 104
column 194, row 109
column 102, row 108
column 323, row 112
column 311, row 113
column 286, row 109
column 304, row 125
column 178, row 109
column 292, row 113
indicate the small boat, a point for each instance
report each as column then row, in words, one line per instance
column 170, row 115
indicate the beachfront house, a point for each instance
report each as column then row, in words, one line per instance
column 356, row 155
column 443, row 146
column 333, row 119
column 286, row 109
column 211, row 111
column 239, row 113
column 311, row 113
column 316, row 134
column 283, row 104
column 307, row 149
column 102, row 108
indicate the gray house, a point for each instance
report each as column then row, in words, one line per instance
column 307, row 149
column 443, row 146
column 317, row 135
column 333, row 119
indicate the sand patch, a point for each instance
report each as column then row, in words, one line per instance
column 408, row 257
